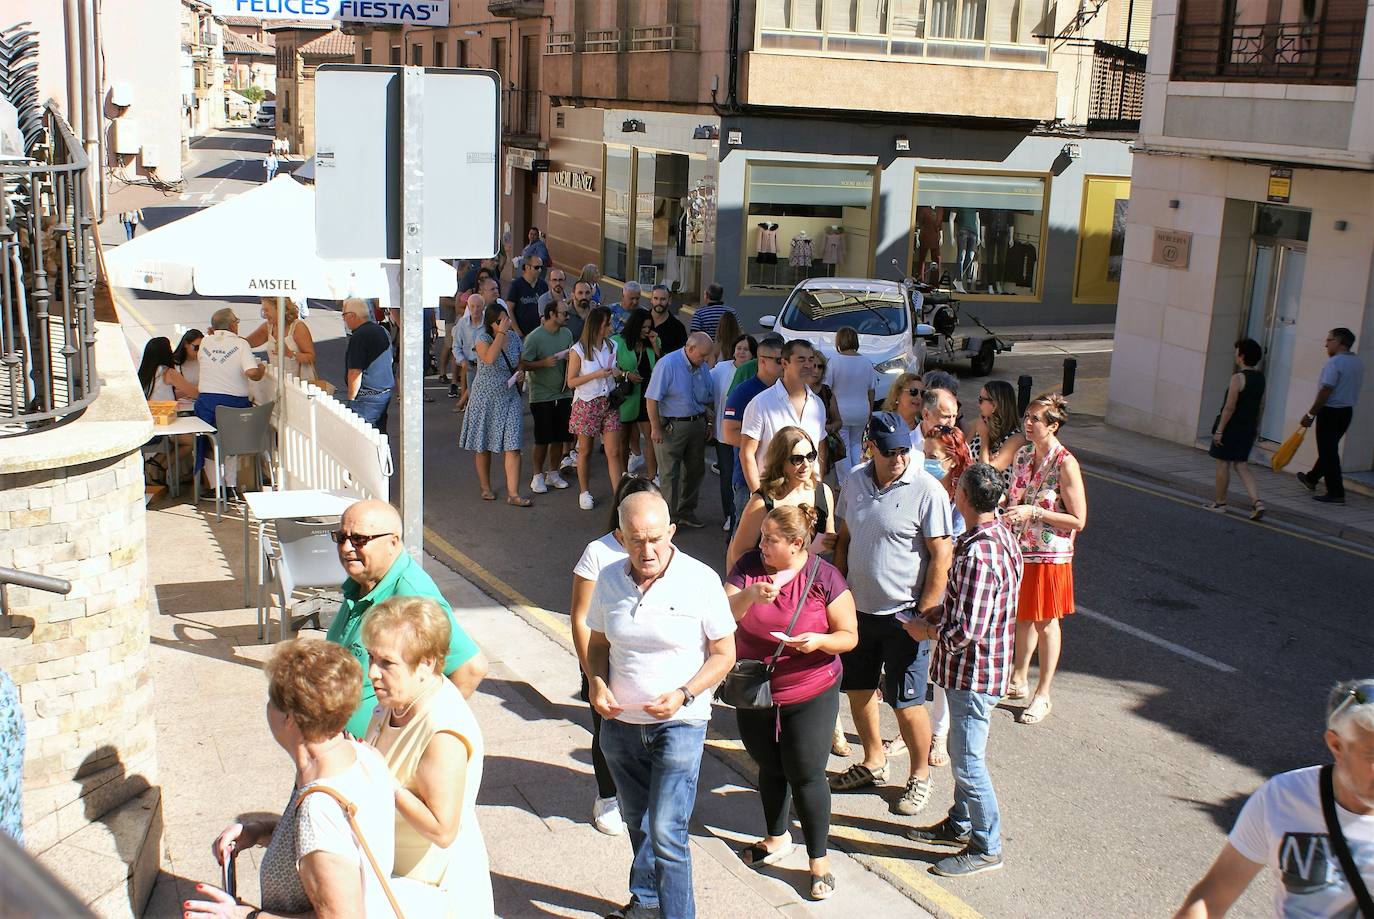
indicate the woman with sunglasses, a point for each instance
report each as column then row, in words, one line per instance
column 790, row 475
column 186, row 357
column 905, row 397
column 997, row 433
column 834, row 447
column 1047, row 506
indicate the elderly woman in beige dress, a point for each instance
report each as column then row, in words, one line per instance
column 433, row 747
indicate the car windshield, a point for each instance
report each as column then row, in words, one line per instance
column 828, row 309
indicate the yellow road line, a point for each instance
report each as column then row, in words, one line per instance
column 908, row 872
column 124, row 304
column 1158, row 493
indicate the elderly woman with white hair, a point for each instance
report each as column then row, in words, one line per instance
column 367, row 362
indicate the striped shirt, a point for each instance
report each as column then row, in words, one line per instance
column 707, row 317
column 977, row 629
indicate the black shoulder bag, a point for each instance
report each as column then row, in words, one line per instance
column 746, row 686
column 1339, row 846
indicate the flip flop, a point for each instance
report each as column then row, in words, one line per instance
column 1258, row 512
column 939, row 750
column 822, row 886
column 1037, row 711
column 759, row 857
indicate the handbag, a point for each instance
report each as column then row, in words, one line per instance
column 1284, row 454
column 747, row 685
column 349, row 809
column 622, row 390
column 1336, row 838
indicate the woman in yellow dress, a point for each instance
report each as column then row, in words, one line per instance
column 433, row 747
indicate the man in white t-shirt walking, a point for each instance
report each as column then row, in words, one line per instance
column 1283, row 826
column 662, row 637
column 789, row 402
column 226, row 366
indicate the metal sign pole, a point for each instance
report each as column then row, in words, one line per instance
column 412, row 311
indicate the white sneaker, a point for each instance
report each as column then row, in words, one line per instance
column 555, row 480
column 606, row 816
column 726, row 525
column 636, row 463
column 657, row 483
column 569, row 461
column 585, row 501
column 537, row 484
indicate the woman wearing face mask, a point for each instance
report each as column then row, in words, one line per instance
column 433, row 747
column 947, row 456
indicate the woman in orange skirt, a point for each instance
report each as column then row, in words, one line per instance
column 1047, row 507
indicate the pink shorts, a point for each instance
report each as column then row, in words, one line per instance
column 594, row 417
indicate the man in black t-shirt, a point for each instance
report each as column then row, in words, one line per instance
column 524, row 294
column 367, row 363
column 672, row 334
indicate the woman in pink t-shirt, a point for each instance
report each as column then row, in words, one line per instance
column 791, row 741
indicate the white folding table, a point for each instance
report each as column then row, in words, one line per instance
column 287, row 505
column 187, row 424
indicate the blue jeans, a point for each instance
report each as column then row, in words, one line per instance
column 205, row 406
column 975, row 802
column 655, row 767
column 371, row 407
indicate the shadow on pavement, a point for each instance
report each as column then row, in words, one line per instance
column 518, row 897
column 246, row 141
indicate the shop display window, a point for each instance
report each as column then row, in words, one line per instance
column 979, row 233
column 807, row 221
column 1101, row 239
column 615, row 243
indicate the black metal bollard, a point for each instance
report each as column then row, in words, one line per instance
column 1070, row 371
column 1023, row 393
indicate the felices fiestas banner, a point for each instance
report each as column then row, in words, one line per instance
column 406, row 12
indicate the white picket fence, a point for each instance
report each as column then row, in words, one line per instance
column 324, row 445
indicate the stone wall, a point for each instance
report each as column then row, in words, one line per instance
column 72, row 506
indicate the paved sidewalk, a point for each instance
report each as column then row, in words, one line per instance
column 217, row 760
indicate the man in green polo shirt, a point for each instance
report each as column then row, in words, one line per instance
column 379, row 568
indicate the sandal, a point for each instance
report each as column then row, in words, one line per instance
column 1037, row 711
column 517, row 501
column 839, row 743
column 939, row 750
column 1015, row 693
column 488, row 496
column 822, row 886
column 858, row 776
column 1258, row 512
column 1218, row 506
column 755, row 855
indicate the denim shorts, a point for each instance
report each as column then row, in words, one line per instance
column 886, row 655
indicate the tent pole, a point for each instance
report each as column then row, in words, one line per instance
column 411, row 389
column 281, row 387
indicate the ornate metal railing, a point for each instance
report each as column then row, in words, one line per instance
column 47, row 278
column 520, row 113
column 1118, row 88
column 1316, row 52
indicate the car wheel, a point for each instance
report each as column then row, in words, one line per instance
column 984, row 359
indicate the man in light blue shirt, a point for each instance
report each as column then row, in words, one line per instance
column 678, row 397
column 1333, row 409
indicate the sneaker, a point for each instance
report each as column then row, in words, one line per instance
column 585, row 501
column 537, row 484
column 715, row 468
column 726, row 525
column 453, row 391
column 569, row 461
column 635, row 910
column 554, row 480
column 606, row 816
column 1329, row 498
column 690, row 521
column 967, row 863
column 1307, row 481
column 914, row 799
column 943, row 833
column 636, row 463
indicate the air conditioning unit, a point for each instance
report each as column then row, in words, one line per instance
column 151, row 157
column 124, row 137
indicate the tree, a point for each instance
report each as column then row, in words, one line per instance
column 253, row 94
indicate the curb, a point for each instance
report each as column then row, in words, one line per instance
column 1275, row 516
column 1087, row 334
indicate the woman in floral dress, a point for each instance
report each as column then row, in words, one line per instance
column 495, row 419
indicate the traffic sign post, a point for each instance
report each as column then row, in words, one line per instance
column 389, row 140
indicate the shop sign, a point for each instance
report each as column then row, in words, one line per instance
column 1172, row 248
column 576, row 181
column 520, row 158
column 1280, row 184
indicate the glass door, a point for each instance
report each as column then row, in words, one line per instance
column 1276, row 278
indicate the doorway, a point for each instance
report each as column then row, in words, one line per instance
column 1278, row 259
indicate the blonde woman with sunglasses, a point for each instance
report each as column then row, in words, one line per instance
column 791, row 475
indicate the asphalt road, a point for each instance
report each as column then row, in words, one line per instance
column 1197, row 668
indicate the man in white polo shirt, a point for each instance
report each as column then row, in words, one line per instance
column 226, row 366
column 790, row 401
column 662, row 637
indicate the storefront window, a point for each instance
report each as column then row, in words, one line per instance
column 1101, row 239
column 615, row 245
column 807, row 221
column 979, row 233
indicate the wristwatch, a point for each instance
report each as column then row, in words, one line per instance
column 687, row 696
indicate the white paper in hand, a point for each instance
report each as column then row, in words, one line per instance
column 782, row 577
column 781, row 636
column 514, row 379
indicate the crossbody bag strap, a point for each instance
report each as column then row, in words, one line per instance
column 1338, row 844
column 349, row 810
column 796, row 614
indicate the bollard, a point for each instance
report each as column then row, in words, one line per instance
column 1023, row 393
column 1070, row 369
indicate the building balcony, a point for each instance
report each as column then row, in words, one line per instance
column 521, row 116
column 1323, row 52
column 662, row 64
column 605, row 72
column 1118, row 88
column 516, row 9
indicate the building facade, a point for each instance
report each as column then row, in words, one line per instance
column 1252, row 214
column 202, row 68
column 301, row 48
column 691, row 140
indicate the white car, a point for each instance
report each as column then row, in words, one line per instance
column 878, row 310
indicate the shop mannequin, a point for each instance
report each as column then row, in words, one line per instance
column 768, row 244
column 803, row 253
column 966, row 229
column 832, row 249
column 929, row 236
column 996, row 238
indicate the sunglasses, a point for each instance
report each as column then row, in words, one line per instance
column 1362, row 693
column 914, row 392
column 356, row 540
column 983, row 398
column 895, row 451
column 941, row 430
column 796, row 459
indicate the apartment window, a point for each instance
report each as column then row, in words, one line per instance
column 367, row 54
column 438, row 54
column 395, row 54
column 959, row 30
column 417, row 55
column 807, row 221
column 1276, row 41
column 985, row 231
column 1101, row 239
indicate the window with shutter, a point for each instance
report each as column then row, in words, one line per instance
column 1270, row 41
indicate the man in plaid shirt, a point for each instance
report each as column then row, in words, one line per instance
column 974, row 638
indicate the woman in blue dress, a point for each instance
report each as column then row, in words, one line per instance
column 495, row 419
column 11, row 760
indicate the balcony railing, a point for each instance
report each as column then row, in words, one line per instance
column 1118, row 88
column 1276, row 52
column 561, row 43
column 602, row 41
column 520, row 113
column 47, row 304
column 664, row 38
